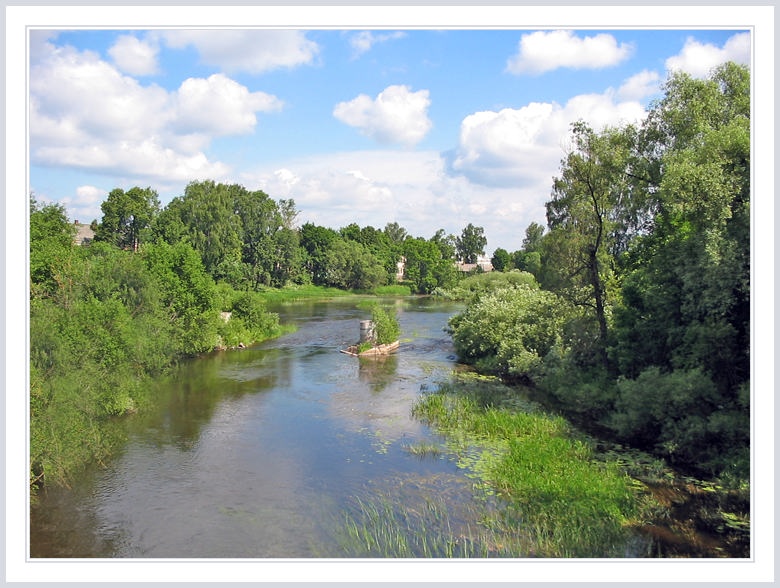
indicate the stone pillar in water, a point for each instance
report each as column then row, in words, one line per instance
column 366, row 331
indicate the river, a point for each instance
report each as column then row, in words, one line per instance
column 257, row 453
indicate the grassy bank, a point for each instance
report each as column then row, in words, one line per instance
column 297, row 293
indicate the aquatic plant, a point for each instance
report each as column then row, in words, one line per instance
column 564, row 501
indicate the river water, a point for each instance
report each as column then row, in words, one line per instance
column 258, row 453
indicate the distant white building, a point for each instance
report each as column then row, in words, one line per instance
column 84, row 233
column 482, row 262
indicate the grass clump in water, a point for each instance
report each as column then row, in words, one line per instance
column 556, row 494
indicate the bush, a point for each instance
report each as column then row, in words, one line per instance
column 386, row 327
column 471, row 287
column 678, row 414
column 509, row 331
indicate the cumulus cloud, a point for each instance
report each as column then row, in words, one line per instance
column 544, row 51
column 523, row 147
column 86, row 114
column 698, row 58
column 396, row 116
column 218, row 105
column 133, row 56
column 413, row 188
column 640, row 86
column 249, row 50
column 363, row 41
column 84, row 206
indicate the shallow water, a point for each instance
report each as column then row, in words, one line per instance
column 258, row 453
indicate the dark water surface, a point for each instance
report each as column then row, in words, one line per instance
column 257, row 453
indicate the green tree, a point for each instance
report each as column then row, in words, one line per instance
column 501, row 260
column 510, row 330
column 205, row 217
column 126, row 216
column 423, row 265
column 51, row 244
column 471, row 243
column 395, row 232
column 350, row 266
column 316, row 241
column 533, row 237
column 584, row 216
column 686, row 300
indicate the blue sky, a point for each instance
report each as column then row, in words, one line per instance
column 428, row 128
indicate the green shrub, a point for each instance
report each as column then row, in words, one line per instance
column 509, row 331
column 678, row 414
column 386, row 326
column 472, row 286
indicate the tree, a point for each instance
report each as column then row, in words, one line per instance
column 686, row 300
column 51, row 241
column 205, row 216
column 315, row 241
column 471, row 243
column 350, row 266
column 584, row 216
column 126, row 215
column 501, row 260
column 395, row 232
column 533, row 237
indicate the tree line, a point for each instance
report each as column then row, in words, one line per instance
column 248, row 240
column 638, row 324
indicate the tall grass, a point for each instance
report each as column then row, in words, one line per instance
column 382, row 527
column 564, row 501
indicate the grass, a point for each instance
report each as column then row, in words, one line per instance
column 294, row 293
column 567, row 503
column 382, row 527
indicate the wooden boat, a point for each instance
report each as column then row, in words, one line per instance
column 376, row 350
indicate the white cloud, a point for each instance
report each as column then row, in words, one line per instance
column 363, row 41
column 397, row 115
column 219, row 106
column 86, row 114
column 85, row 205
column 640, row 86
column 698, row 59
column 523, row 147
column 412, row 188
column 543, row 51
column 250, row 50
column 133, row 56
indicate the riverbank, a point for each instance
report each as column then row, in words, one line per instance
column 564, row 494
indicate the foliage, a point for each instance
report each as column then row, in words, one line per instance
column 127, row 216
column 471, row 243
column 649, row 245
column 509, row 331
column 426, row 266
column 472, row 286
column 103, row 322
column 681, row 419
column 586, row 218
column 51, row 245
column 386, row 326
column 501, row 260
column 565, row 503
column 350, row 266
